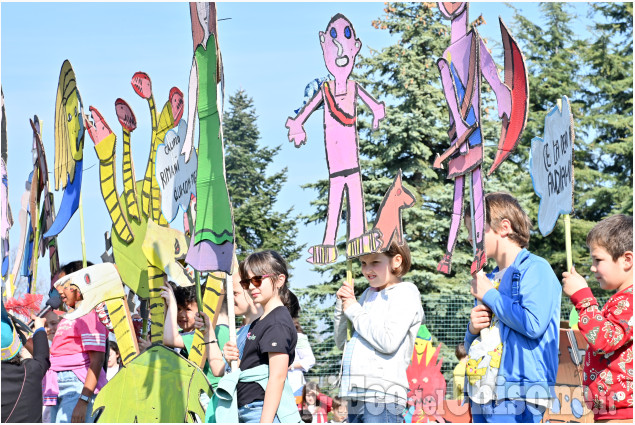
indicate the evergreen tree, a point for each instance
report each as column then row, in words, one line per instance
column 553, row 56
column 609, row 98
column 596, row 76
column 253, row 193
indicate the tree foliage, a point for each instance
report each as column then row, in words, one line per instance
column 593, row 69
column 252, row 191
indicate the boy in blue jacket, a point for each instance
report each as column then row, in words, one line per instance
column 524, row 310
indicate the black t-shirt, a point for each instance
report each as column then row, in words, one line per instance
column 275, row 333
column 22, row 384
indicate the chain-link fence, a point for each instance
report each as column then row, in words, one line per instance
column 446, row 319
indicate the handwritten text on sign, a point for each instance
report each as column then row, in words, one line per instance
column 552, row 167
column 176, row 178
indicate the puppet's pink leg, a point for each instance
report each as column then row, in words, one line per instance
column 457, row 213
column 359, row 242
column 327, row 252
column 479, row 221
column 334, row 209
column 356, row 218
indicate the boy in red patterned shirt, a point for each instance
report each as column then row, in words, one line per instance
column 608, row 365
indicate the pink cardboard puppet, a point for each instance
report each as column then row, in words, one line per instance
column 339, row 96
column 461, row 67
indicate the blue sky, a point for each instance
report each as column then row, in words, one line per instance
column 270, row 50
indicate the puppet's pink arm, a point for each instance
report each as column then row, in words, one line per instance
column 192, row 100
column 489, row 71
column 450, row 96
column 378, row 108
column 296, row 125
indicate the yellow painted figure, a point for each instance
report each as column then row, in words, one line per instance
column 496, row 356
column 473, row 372
column 69, row 147
column 129, row 223
column 105, row 140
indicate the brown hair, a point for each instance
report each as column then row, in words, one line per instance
column 311, row 386
column 406, row 260
column 267, row 262
column 298, row 327
column 459, row 351
column 500, row 206
column 614, row 234
column 337, row 402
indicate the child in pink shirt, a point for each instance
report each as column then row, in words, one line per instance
column 77, row 357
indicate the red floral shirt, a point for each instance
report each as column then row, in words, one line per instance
column 608, row 363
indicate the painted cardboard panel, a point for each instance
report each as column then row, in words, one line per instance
column 569, row 404
column 6, row 221
column 69, row 147
column 464, row 62
column 340, row 47
column 551, row 166
column 158, row 386
column 176, row 178
column 212, row 244
column 105, row 144
column 427, row 387
column 99, row 284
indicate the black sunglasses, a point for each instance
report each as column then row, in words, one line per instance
column 256, row 280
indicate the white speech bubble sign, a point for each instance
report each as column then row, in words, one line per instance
column 176, row 178
column 551, row 166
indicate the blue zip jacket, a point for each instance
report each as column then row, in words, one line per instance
column 527, row 303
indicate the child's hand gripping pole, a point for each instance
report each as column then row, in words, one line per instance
column 481, row 274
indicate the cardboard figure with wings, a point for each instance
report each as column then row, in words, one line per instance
column 339, row 96
column 463, row 64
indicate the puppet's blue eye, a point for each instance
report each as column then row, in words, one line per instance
column 347, row 32
column 333, row 33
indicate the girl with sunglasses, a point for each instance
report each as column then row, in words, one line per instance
column 262, row 393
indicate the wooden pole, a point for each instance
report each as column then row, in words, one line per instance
column 567, row 222
column 231, row 314
column 81, row 228
column 349, row 282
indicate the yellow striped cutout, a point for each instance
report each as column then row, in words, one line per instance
column 106, row 153
column 212, row 300
column 123, row 329
column 156, row 279
column 147, row 179
column 129, row 180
